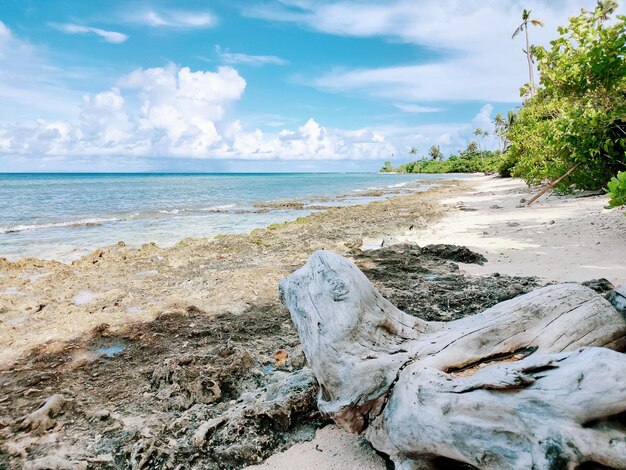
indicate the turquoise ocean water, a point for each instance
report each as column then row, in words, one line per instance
column 64, row 216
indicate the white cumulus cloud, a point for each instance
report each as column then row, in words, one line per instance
column 103, row 120
column 176, row 112
column 311, row 141
column 179, row 107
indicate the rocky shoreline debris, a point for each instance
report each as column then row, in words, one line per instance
column 190, row 387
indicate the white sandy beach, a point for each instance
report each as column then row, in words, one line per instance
column 559, row 238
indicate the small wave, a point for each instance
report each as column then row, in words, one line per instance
column 399, row 185
column 94, row 222
column 218, row 208
column 76, row 223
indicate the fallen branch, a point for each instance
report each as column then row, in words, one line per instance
column 553, row 184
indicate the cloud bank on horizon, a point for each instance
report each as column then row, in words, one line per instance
column 308, row 82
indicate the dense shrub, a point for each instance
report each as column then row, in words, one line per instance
column 617, row 190
column 577, row 119
column 467, row 162
column 506, row 165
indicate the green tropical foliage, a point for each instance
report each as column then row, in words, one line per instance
column 472, row 148
column 387, row 167
column 435, row 152
column 465, row 162
column 617, row 190
column 577, row 118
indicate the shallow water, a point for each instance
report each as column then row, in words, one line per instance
column 84, row 297
column 64, row 216
column 111, row 350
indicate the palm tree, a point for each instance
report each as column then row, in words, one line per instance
column 435, row 152
column 510, row 119
column 499, row 124
column 503, row 126
column 472, row 148
column 482, row 134
column 604, row 8
column 524, row 27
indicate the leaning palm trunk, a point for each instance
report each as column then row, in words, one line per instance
column 524, row 27
column 531, row 76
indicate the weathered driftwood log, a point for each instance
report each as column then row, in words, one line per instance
column 507, row 388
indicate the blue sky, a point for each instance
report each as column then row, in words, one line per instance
column 288, row 85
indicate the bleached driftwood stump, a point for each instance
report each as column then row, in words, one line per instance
column 531, row 383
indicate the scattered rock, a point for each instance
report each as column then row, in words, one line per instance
column 297, row 359
column 263, row 416
column 424, row 283
column 387, row 241
column 466, row 208
column 42, row 419
column 149, row 247
column 601, row 286
column 181, row 382
column 54, row 463
column 200, row 435
column 617, row 297
column 102, row 414
column 288, row 205
column 460, row 254
column 589, row 193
